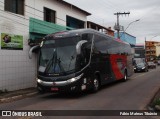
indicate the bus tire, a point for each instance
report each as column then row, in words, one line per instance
column 40, row 90
column 125, row 76
column 96, row 85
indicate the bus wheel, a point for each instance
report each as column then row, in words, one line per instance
column 125, row 76
column 96, row 85
column 40, row 90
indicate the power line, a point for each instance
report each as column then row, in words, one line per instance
column 15, row 21
column 25, row 19
column 113, row 6
column 95, row 16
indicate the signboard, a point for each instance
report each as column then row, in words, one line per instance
column 11, row 41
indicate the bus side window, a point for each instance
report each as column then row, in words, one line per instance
column 99, row 44
column 87, row 36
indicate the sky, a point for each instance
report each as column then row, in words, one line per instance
column 148, row 27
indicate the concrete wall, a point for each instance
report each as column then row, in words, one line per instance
column 127, row 38
column 17, row 71
column 61, row 10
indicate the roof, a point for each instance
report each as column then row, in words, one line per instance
column 127, row 34
column 140, row 45
column 73, row 6
column 100, row 26
column 88, row 30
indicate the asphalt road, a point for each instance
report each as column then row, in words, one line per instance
column 134, row 94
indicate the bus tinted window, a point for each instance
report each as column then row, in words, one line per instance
column 87, row 36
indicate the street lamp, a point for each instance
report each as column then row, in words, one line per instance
column 131, row 23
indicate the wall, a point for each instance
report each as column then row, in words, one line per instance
column 17, row 71
column 127, row 38
column 61, row 10
column 157, row 50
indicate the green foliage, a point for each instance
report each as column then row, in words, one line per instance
column 156, row 101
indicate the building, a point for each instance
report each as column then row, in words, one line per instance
column 21, row 20
column 58, row 19
column 139, row 53
column 100, row 28
column 158, row 50
column 152, row 50
column 127, row 38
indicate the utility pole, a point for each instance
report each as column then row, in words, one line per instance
column 117, row 26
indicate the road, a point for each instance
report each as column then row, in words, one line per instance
column 134, row 94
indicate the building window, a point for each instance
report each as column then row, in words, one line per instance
column 49, row 15
column 74, row 23
column 15, row 6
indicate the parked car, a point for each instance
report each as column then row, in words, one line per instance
column 151, row 65
column 158, row 62
column 141, row 67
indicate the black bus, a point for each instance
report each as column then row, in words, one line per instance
column 80, row 60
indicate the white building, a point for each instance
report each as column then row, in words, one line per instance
column 157, row 49
column 21, row 20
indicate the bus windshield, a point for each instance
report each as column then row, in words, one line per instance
column 58, row 56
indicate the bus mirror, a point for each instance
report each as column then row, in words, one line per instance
column 79, row 45
column 32, row 50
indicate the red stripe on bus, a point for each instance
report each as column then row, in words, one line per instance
column 118, row 70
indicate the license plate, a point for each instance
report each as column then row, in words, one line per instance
column 54, row 89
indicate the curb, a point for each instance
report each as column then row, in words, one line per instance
column 151, row 108
column 4, row 100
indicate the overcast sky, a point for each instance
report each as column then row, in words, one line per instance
column 148, row 11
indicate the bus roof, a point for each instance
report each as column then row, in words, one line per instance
column 78, row 32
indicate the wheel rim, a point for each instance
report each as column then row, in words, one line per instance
column 125, row 76
column 96, row 84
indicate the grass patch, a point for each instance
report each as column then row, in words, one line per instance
column 156, row 101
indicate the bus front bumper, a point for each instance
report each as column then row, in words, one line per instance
column 71, row 85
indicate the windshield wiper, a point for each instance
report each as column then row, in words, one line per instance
column 50, row 61
column 58, row 63
column 72, row 57
column 55, row 64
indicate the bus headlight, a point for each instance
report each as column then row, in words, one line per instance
column 38, row 80
column 74, row 79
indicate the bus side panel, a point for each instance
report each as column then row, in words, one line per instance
column 118, row 64
column 130, row 68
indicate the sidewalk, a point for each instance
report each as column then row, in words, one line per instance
column 16, row 95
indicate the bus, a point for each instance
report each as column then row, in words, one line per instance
column 82, row 59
